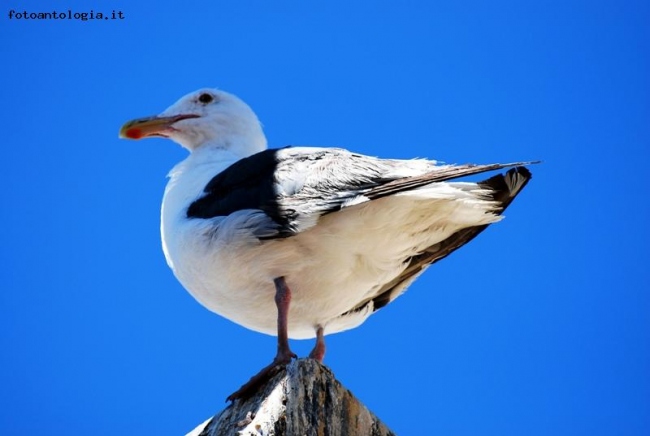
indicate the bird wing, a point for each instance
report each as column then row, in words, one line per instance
column 295, row 186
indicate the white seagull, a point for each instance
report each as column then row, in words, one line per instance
column 302, row 242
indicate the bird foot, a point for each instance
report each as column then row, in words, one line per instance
column 318, row 352
column 259, row 379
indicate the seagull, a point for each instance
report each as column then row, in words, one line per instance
column 301, row 242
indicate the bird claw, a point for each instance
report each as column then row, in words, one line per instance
column 284, row 356
column 249, row 388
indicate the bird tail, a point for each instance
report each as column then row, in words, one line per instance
column 501, row 188
column 505, row 187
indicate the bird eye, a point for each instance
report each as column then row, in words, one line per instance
column 206, row 98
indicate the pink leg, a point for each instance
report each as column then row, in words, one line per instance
column 319, row 349
column 284, row 354
column 282, row 301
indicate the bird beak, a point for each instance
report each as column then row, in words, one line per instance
column 151, row 126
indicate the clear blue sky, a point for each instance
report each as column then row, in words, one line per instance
column 538, row 327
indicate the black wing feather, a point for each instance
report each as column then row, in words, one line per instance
column 247, row 184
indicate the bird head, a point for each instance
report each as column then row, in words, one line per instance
column 204, row 118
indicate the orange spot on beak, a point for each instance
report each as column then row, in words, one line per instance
column 133, row 133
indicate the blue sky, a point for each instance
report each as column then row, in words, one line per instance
column 538, row 327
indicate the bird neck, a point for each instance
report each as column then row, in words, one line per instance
column 237, row 146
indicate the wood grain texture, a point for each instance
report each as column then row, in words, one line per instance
column 305, row 399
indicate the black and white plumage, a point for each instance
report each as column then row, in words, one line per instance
column 348, row 233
